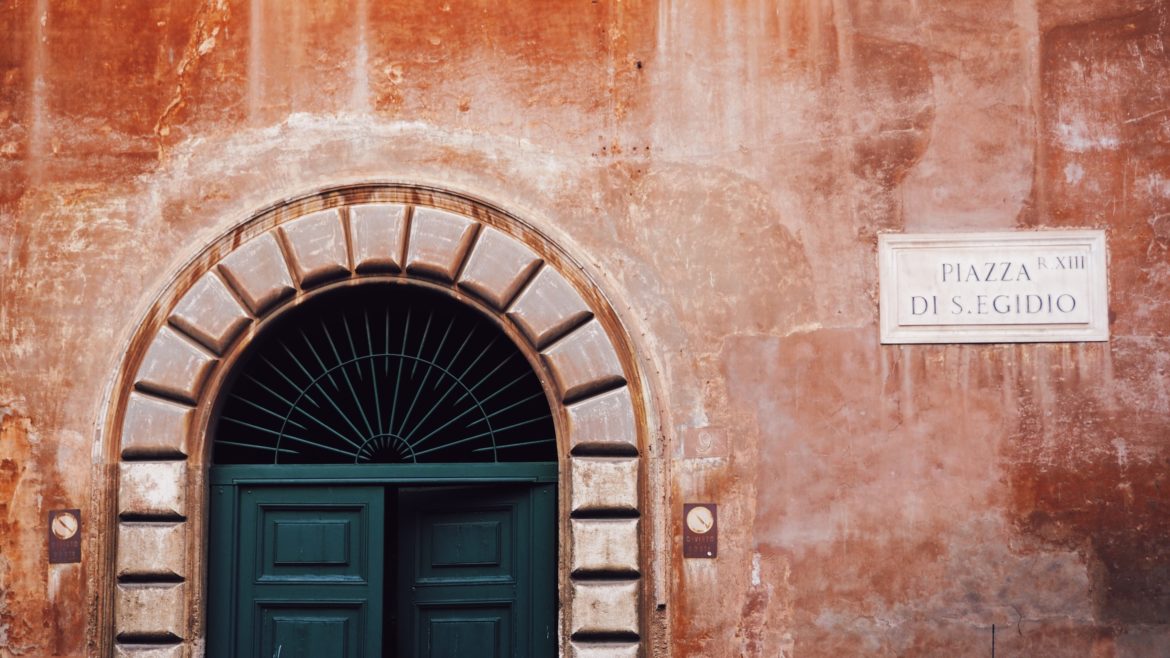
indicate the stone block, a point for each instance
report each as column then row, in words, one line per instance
column 151, row 550
column 149, row 612
column 439, row 241
column 258, row 273
column 153, row 489
column 584, row 362
column 317, row 247
column 604, row 424
column 548, row 307
column 174, row 367
column 210, row 314
column 604, row 608
column 604, row 485
column 155, row 428
column 605, row 650
column 150, row 651
column 497, row 267
column 605, row 545
column 377, row 231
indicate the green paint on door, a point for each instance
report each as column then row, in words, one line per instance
column 299, row 569
column 311, row 542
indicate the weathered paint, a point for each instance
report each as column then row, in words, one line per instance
column 722, row 169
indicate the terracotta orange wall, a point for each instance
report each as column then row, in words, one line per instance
column 723, row 168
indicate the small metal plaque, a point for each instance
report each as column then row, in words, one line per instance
column 64, row 536
column 1005, row 287
column 700, row 530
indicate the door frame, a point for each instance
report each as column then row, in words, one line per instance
column 222, row 605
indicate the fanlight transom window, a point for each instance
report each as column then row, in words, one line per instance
column 383, row 373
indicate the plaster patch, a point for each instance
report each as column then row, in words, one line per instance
column 1122, row 452
column 1158, row 185
column 1075, row 135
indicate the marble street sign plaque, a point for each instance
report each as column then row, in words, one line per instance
column 1039, row 286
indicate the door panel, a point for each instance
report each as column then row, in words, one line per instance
column 461, row 632
column 312, row 632
column 310, row 572
column 474, row 572
column 465, row 545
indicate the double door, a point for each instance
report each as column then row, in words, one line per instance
column 366, row 570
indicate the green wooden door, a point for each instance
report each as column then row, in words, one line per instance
column 476, row 569
column 307, row 578
column 338, row 571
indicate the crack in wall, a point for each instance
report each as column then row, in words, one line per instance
column 212, row 17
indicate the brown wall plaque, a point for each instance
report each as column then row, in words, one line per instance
column 700, row 530
column 64, row 536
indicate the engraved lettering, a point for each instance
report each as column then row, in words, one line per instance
column 919, row 305
column 987, row 272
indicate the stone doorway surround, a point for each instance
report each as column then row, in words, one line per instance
column 161, row 403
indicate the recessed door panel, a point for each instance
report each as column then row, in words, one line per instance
column 461, row 543
column 318, row 543
column 467, row 545
column 311, row 631
column 310, row 571
column 478, row 632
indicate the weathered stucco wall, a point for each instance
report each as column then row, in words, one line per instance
column 723, row 169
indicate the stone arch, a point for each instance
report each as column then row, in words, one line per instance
column 160, row 404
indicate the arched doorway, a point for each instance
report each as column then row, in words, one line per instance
column 165, row 406
column 383, row 484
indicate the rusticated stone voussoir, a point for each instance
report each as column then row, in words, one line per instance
column 604, row 608
column 584, row 362
column 497, row 267
column 604, row 485
column 377, row 231
column 155, row 428
column 608, row 546
column 317, row 246
column 153, row 490
column 438, row 243
column 151, row 550
column 258, row 273
column 174, row 367
column 604, row 424
column 210, row 314
column 548, row 308
column 150, row 612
